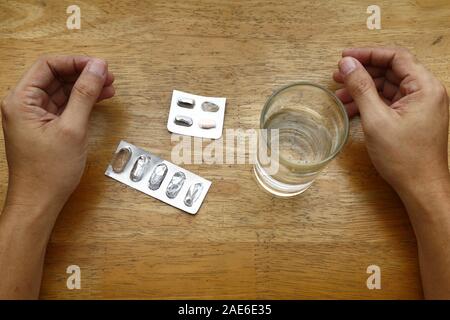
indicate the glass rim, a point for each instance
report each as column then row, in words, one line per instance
column 340, row 106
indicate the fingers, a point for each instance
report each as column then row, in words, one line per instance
column 385, row 88
column 395, row 73
column 59, row 99
column 399, row 60
column 70, row 79
column 379, row 57
column 352, row 109
column 344, row 95
column 107, row 92
column 361, row 87
column 402, row 74
column 389, row 90
column 397, row 96
column 374, row 72
column 49, row 72
column 68, row 68
column 85, row 93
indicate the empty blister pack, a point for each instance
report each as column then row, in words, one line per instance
column 196, row 116
column 158, row 178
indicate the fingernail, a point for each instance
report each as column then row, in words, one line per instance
column 97, row 67
column 347, row 65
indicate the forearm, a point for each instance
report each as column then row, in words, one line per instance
column 429, row 210
column 24, row 234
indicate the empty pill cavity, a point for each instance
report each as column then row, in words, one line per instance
column 120, row 160
column 210, row 107
column 139, row 168
column 157, row 177
column 183, row 121
column 186, row 103
column 175, row 184
column 193, row 193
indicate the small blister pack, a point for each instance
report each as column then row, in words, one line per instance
column 196, row 116
column 158, row 178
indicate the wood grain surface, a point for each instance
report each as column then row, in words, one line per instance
column 243, row 243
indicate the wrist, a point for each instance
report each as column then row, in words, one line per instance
column 428, row 202
column 426, row 187
column 27, row 205
column 34, row 190
column 28, row 224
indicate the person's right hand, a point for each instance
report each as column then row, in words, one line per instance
column 404, row 114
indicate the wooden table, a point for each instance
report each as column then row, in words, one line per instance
column 243, row 243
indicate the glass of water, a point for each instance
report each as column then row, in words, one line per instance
column 303, row 127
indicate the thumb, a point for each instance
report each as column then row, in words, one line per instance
column 361, row 87
column 85, row 93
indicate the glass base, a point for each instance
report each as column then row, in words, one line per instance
column 277, row 188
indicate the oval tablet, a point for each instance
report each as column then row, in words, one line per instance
column 120, row 160
column 207, row 124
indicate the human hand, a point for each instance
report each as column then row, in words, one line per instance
column 45, row 121
column 404, row 115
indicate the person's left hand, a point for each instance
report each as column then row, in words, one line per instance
column 45, row 120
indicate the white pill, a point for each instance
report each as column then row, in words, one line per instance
column 207, row 124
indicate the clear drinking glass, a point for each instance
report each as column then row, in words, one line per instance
column 312, row 127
